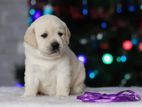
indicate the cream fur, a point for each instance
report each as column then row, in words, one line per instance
column 59, row 74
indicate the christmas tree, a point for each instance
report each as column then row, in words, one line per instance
column 106, row 37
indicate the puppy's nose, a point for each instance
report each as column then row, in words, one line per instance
column 55, row 45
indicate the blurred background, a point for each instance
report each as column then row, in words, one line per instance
column 106, row 37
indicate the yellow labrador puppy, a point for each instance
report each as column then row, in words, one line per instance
column 51, row 67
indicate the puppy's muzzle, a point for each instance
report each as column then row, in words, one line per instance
column 55, row 47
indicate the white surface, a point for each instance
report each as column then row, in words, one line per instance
column 12, row 97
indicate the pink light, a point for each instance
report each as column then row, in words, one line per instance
column 140, row 46
column 127, row 45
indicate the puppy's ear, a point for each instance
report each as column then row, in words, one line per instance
column 30, row 37
column 68, row 34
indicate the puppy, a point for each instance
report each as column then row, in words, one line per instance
column 51, row 67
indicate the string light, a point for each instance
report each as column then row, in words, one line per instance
column 84, row 2
column 140, row 46
column 84, row 10
column 48, row 9
column 37, row 14
column 127, row 76
column 33, row 2
column 92, row 73
column 103, row 25
column 118, row 59
column 99, row 36
column 83, row 41
column 30, row 20
column 107, row 58
column 32, row 11
column 82, row 58
column 141, row 7
column 119, row 8
column 127, row 45
column 19, row 85
column 135, row 41
column 131, row 8
column 123, row 58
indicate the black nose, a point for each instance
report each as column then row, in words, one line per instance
column 55, row 45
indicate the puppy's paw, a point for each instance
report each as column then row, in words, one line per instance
column 27, row 94
column 78, row 89
column 62, row 93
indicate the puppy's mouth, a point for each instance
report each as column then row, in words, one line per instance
column 53, row 52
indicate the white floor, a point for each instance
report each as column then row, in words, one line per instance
column 12, row 97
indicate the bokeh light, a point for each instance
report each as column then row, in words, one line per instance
column 30, row 20
column 127, row 45
column 82, row 58
column 119, row 9
column 99, row 36
column 84, row 11
column 118, row 59
column 131, row 8
column 107, row 58
column 103, row 25
column 140, row 46
column 93, row 73
column 19, row 85
column 141, row 7
column 123, row 58
column 135, row 41
column 37, row 14
column 127, row 76
column 48, row 10
column 32, row 11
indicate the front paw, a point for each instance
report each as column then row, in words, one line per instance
column 29, row 94
column 61, row 93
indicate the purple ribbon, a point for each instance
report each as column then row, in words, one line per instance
column 122, row 96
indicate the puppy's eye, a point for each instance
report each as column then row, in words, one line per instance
column 44, row 35
column 60, row 33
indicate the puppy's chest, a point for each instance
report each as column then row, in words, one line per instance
column 46, row 71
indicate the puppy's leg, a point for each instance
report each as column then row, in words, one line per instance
column 63, row 84
column 77, row 89
column 31, row 85
column 78, row 85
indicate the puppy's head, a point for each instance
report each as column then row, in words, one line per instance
column 49, row 35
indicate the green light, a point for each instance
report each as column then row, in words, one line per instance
column 127, row 76
column 107, row 58
column 118, row 59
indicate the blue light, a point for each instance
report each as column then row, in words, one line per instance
column 82, row 58
column 134, row 41
column 141, row 7
column 131, row 8
column 92, row 75
column 84, row 2
column 103, row 25
column 30, row 20
column 48, row 10
column 19, row 85
column 85, row 11
column 123, row 58
column 32, row 11
column 119, row 10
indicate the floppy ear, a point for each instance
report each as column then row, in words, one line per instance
column 30, row 37
column 68, row 34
